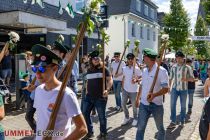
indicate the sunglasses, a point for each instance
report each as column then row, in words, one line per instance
column 41, row 69
column 130, row 58
column 96, row 58
column 116, row 56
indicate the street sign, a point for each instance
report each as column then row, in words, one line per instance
column 201, row 38
column 35, row 31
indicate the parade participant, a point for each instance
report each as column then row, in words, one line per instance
column 84, row 67
column 2, row 114
column 130, row 88
column 64, row 52
column 117, row 78
column 96, row 97
column 30, row 111
column 45, row 66
column 154, row 104
column 191, row 87
column 180, row 75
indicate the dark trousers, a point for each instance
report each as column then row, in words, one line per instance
column 30, row 114
column 100, row 105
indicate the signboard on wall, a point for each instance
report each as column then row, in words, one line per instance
column 201, row 38
column 35, row 31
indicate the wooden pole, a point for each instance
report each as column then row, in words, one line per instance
column 69, row 67
column 120, row 61
column 158, row 68
column 104, row 76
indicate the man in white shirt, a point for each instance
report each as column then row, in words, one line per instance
column 151, row 103
column 117, row 78
column 131, row 77
column 45, row 66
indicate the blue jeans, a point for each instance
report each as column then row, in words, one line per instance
column 203, row 77
column 190, row 95
column 144, row 113
column 117, row 89
column 100, row 105
column 2, row 137
column 183, row 97
column 83, row 90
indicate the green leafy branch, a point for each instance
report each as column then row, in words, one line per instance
column 91, row 12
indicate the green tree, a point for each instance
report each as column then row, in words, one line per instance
column 178, row 24
column 201, row 30
column 206, row 5
column 189, row 48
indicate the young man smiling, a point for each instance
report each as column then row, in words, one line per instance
column 45, row 66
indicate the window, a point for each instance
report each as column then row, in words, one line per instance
column 154, row 36
column 133, row 30
column 148, row 34
column 138, row 5
column 146, row 10
column 141, row 33
column 80, row 4
column 152, row 13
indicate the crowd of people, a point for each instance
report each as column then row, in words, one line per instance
column 129, row 80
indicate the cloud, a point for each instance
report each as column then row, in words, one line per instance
column 191, row 6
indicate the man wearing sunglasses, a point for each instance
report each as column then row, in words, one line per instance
column 117, row 78
column 131, row 76
column 45, row 66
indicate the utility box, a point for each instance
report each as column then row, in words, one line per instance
column 20, row 66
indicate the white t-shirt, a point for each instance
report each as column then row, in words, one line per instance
column 44, row 101
column 147, row 79
column 114, row 66
column 128, row 74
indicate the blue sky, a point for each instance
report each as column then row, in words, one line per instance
column 191, row 6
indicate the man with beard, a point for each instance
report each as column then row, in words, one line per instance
column 95, row 96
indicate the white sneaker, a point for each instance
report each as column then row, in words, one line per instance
column 134, row 123
column 125, row 121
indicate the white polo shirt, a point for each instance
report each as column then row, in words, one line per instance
column 147, row 79
column 128, row 74
column 114, row 66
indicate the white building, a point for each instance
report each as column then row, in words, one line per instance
column 131, row 20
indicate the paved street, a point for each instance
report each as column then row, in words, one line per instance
column 16, row 121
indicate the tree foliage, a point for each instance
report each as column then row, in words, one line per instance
column 201, row 30
column 178, row 22
column 206, row 5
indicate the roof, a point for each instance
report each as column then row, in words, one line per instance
column 152, row 3
column 118, row 6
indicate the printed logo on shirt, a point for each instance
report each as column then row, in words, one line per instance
column 50, row 107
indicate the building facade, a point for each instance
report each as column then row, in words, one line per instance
column 131, row 20
column 41, row 25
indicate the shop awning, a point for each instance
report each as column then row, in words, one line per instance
column 28, row 20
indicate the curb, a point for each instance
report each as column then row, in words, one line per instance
column 195, row 135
